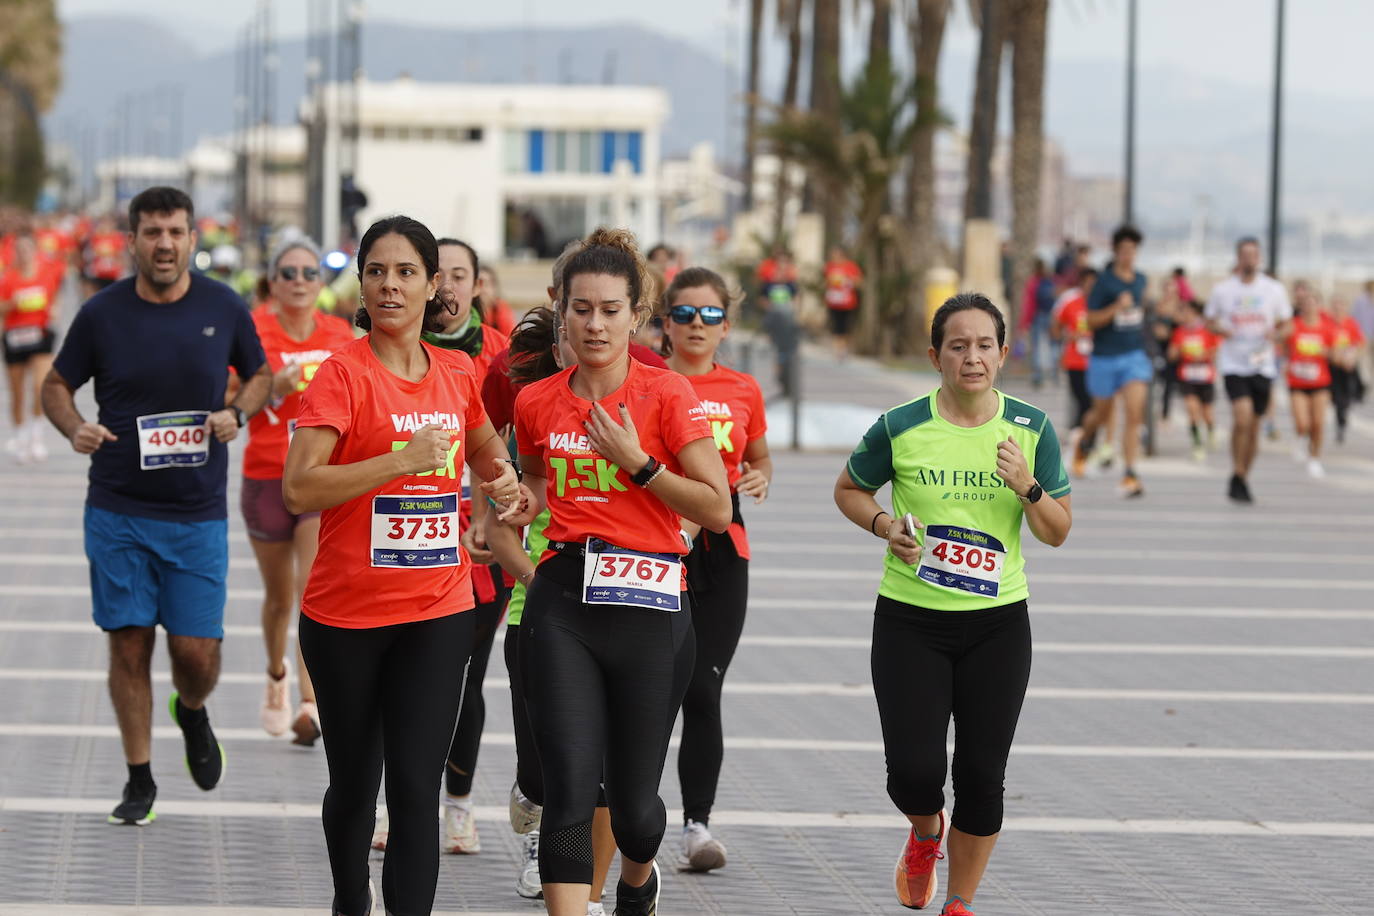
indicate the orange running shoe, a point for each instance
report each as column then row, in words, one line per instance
column 915, row 873
column 1079, row 467
column 955, row 906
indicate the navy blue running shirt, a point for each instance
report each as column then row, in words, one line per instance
column 150, row 358
column 1126, row 332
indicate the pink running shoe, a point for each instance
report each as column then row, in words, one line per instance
column 915, row 873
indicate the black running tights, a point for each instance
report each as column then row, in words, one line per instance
column 1082, row 401
column 718, row 618
column 603, row 684
column 929, row 665
column 387, row 694
column 472, row 717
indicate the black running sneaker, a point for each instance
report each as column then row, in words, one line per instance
column 137, row 806
column 637, row 901
column 204, row 756
column 1239, row 491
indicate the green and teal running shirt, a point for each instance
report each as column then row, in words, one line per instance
column 946, row 476
column 535, row 544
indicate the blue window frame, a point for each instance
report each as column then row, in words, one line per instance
column 634, row 151
column 536, row 161
column 607, row 151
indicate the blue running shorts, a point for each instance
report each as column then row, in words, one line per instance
column 146, row 572
column 1109, row 374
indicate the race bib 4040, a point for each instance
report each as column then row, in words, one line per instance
column 415, row 531
column 177, row 439
column 618, row 575
column 963, row 559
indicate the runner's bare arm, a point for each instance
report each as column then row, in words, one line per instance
column 535, row 488
column 490, row 463
column 310, row 483
column 861, row 507
column 504, row 543
column 59, row 403
column 223, row 423
column 758, row 471
column 700, row 494
column 1049, row 519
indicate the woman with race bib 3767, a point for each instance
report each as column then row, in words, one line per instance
column 951, row 631
column 618, row 451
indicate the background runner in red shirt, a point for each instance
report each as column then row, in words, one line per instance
column 28, row 301
column 1311, row 338
column 1193, row 348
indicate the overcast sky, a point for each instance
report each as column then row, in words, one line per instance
column 1329, row 41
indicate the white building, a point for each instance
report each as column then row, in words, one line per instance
column 513, row 170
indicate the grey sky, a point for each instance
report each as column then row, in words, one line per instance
column 1328, row 40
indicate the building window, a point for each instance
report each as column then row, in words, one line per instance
column 634, row 151
column 517, row 151
column 377, row 132
column 607, row 151
column 427, row 134
column 586, row 157
column 536, row 151
column 560, row 152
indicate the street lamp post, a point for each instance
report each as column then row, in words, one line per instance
column 1276, row 143
column 1128, row 205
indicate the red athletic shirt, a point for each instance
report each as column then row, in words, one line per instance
column 589, row 496
column 842, row 280
column 498, row 391
column 1197, row 353
column 1348, row 333
column 1308, row 352
column 31, row 297
column 375, row 412
column 1072, row 315
column 265, row 455
column 499, row 315
column 733, row 403
column 105, row 255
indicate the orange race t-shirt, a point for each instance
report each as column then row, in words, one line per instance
column 1348, row 333
column 31, row 297
column 105, row 255
column 842, row 280
column 590, row 496
column 269, row 430
column 733, row 403
column 1197, row 352
column 1308, row 350
column 392, row 554
column 1072, row 315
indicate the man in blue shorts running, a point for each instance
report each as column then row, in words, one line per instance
column 1119, row 361
column 158, row 346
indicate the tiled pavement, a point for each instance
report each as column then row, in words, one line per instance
column 1199, row 736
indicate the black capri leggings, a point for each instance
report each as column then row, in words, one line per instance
column 528, row 774
column 719, row 578
column 472, row 717
column 602, row 683
column 386, row 694
column 1082, row 400
column 972, row 664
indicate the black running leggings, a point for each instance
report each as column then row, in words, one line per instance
column 528, row 774
column 929, row 665
column 1082, row 400
column 472, row 717
column 719, row 578
column 602, row 683
column 386, row 694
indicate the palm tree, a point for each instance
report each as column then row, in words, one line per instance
column 982, row 136
column 1027, row 39
column 751, row 100
column 30, row 75
column 852, row 164
column 926, row 27
column 826, row 92
column 880, row 29
column 790, row 21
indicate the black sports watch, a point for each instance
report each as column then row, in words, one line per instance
column 238, row 415
column 1033, row 494
column 641, row 477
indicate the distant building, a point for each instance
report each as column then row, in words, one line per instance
column 516, row 171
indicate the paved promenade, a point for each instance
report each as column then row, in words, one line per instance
column 1198, row 738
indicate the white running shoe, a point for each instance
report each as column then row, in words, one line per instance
column 1315, row 469
column 37, row 450
column 524, row 814
column 460, row 830
column 1300, row 451
column 527, row 883
column 382, row 830
column 275, row 714
column 699, row 850
column 595, row 908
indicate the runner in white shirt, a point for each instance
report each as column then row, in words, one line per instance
column 1250, row 311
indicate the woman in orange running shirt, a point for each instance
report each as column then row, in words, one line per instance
column 619, row 452
column 383, row 429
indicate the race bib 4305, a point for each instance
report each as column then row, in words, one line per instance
column 963, row 559
column 618, row 575
column 177, row 439
column 415, row 531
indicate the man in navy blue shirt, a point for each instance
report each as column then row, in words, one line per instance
column 158, row 346
column 1119, row 362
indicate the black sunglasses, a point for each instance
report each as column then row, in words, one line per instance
column 307, row 273
column 710, row 314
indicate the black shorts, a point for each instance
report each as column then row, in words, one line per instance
column 1308, row 391
column 840, row 320
column 1254, row 387
column 1205, row 392
column 23, row 343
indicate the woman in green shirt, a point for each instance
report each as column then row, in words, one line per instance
column 966, row 464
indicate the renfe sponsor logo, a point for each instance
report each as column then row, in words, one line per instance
column 410, row 422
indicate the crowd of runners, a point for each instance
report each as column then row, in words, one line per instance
column 414, row 476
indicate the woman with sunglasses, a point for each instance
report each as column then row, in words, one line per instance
column 618, row 452
column 718, row 566
column 297, row 339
